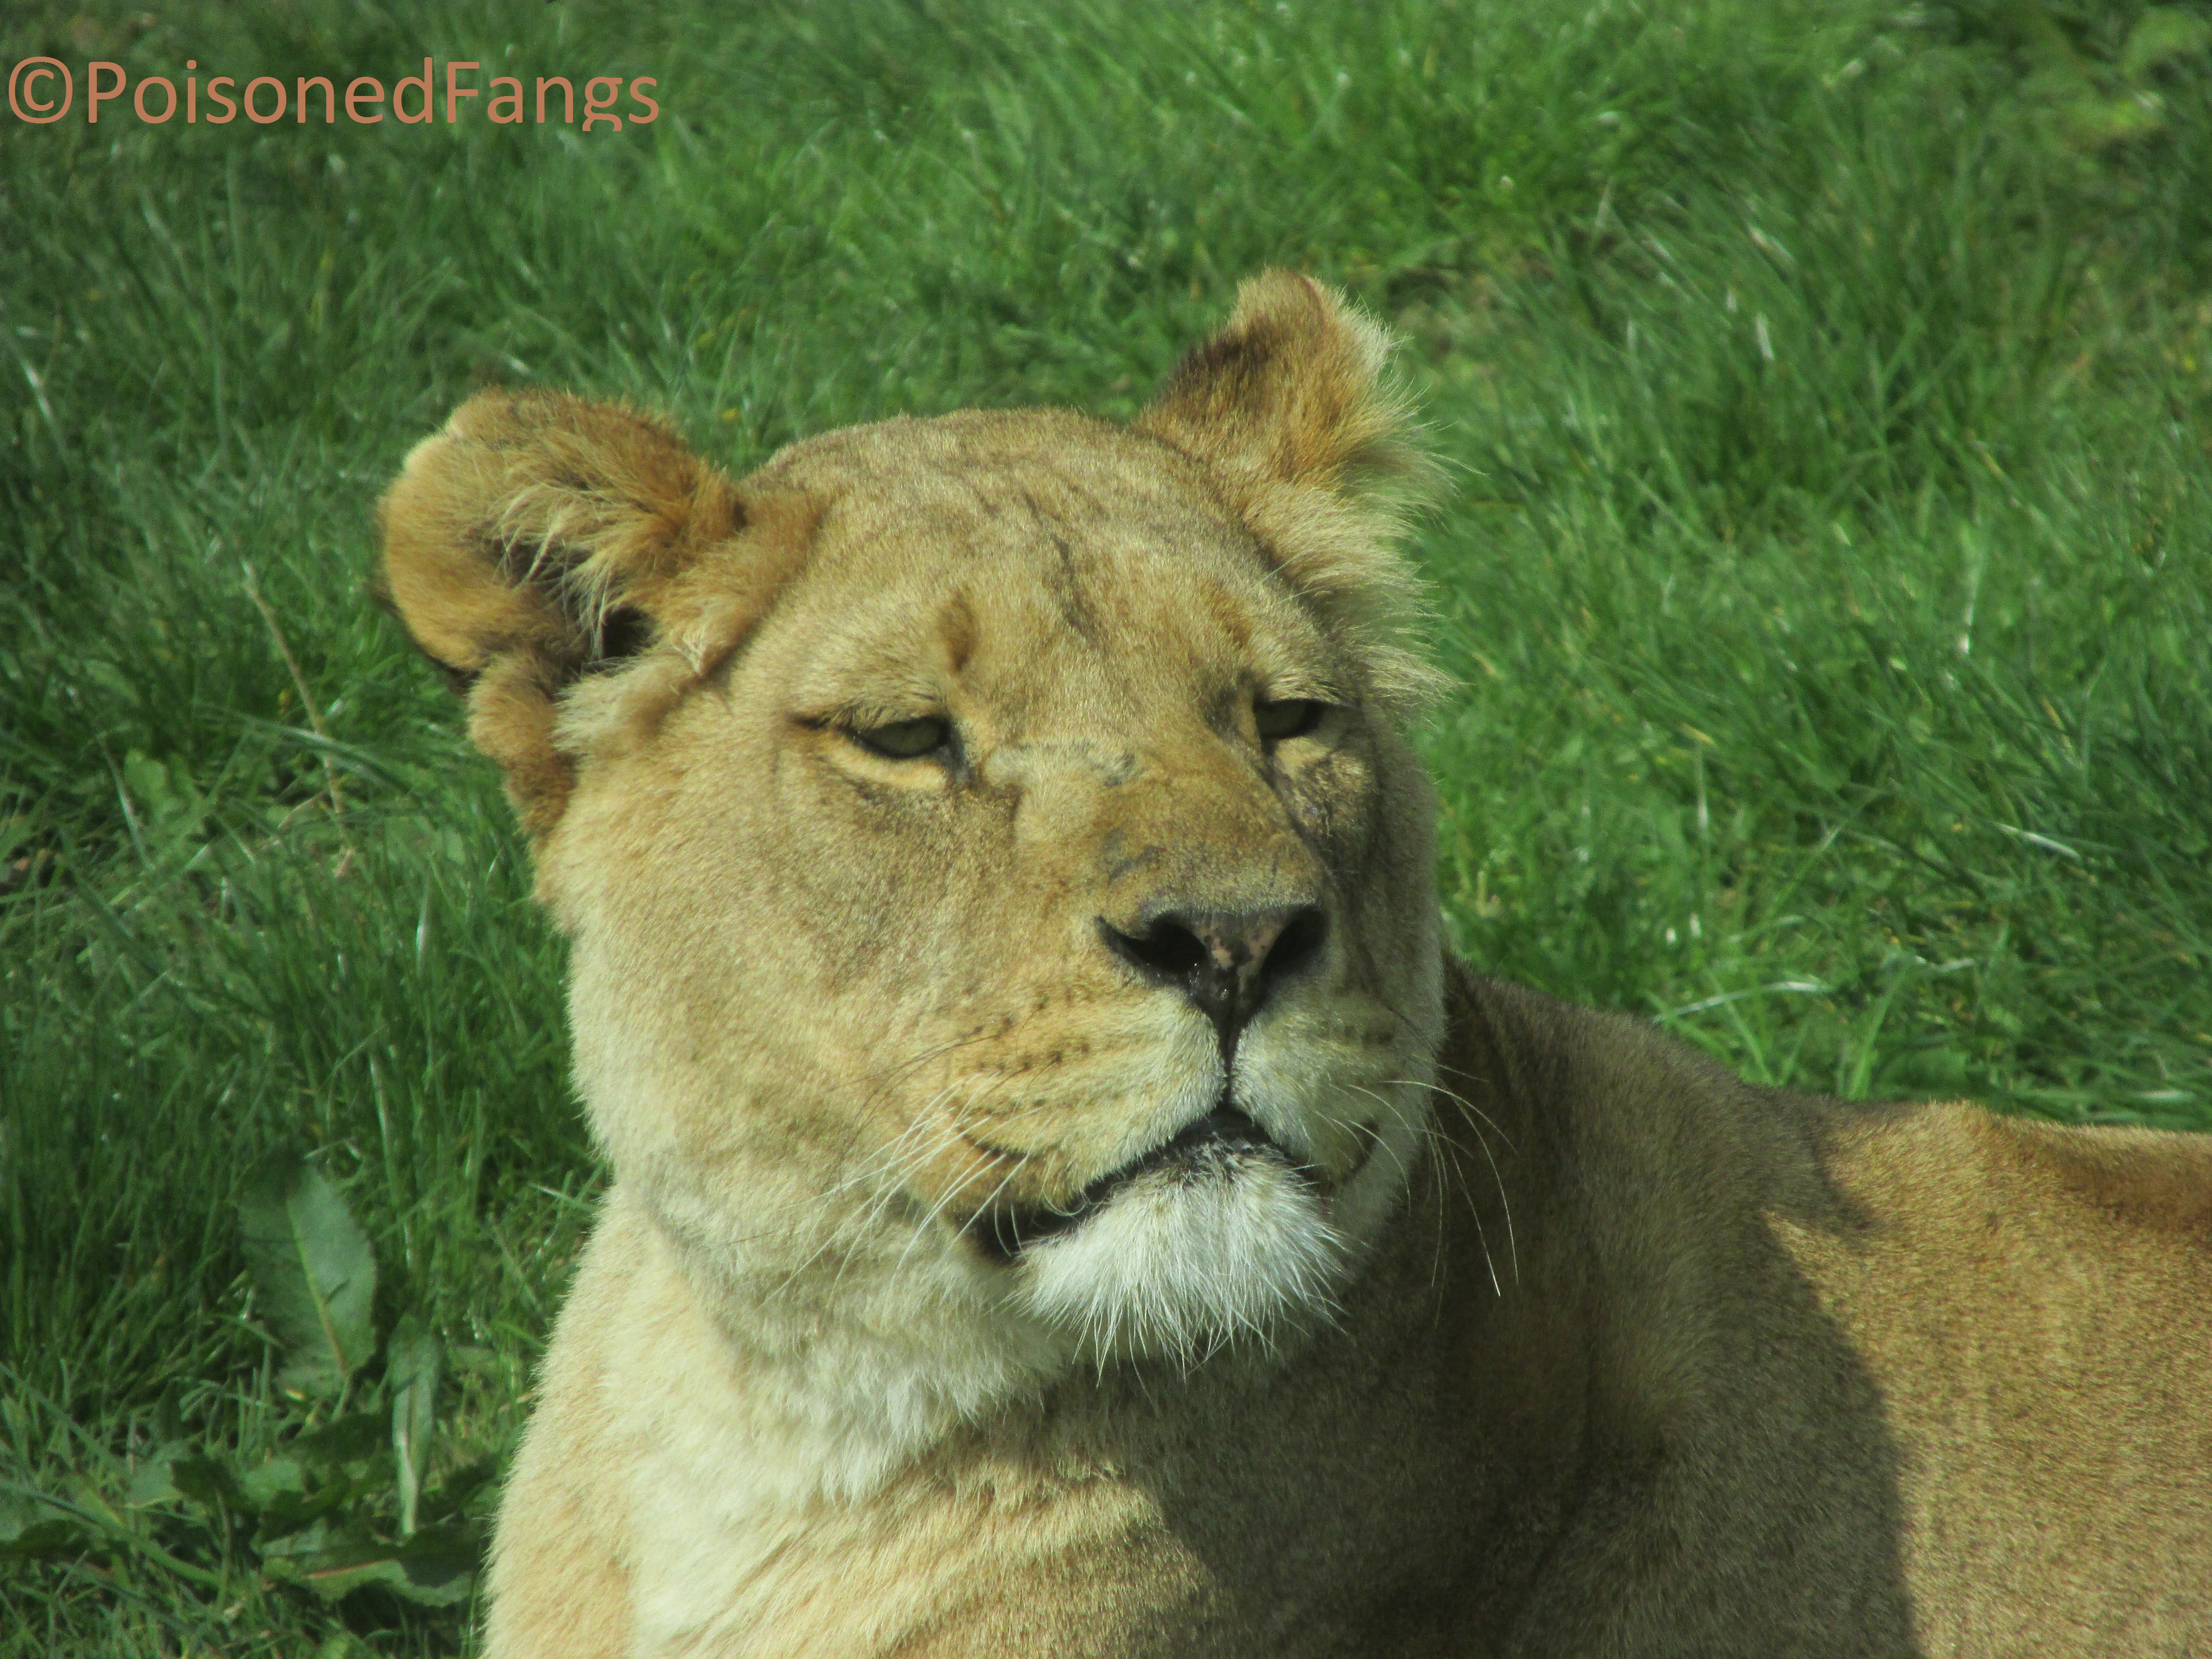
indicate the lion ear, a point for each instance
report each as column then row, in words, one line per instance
column 539, row 539
column 1289, row 392
column 1289, row 409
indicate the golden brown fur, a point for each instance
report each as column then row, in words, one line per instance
column 1067, row 1199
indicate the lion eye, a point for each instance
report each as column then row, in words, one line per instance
column 1293, row 717
column 907, row 739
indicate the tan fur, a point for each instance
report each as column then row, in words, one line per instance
column 1509, row 1328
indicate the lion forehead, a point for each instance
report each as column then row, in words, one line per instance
column 1040, row 561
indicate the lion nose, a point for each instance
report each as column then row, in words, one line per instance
column 1226, row 962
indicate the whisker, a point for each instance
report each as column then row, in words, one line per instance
column 1490, row 1122
column 874, row 1213
column 955, row 1132
column 1438, row 1142
column 1498, row 1175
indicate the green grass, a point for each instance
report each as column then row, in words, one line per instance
column 1827, row 391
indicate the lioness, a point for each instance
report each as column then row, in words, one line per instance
column 1067, row 1201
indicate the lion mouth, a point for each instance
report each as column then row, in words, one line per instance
column 1209, row 1149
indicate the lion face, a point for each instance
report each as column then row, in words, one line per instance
column 996, row 877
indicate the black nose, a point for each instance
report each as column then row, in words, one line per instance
column 1226, row 963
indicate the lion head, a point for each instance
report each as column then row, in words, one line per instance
column 1000, row 892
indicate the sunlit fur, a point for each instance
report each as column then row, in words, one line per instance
column 1472, row 1324
column 1179, row 1264
column 833, row 1012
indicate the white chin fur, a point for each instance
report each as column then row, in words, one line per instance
column 1180, row 1262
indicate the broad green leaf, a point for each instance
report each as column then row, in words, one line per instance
column 83, row 1521
column 411, row 1370
column 312, row 1540
column 18, row 1515
column 348, row 1439
column 150, row 1482
column 44, row 1541
column 2098, row 121
column 313, row 1274
column 2162, row 35
column 267, row 1485
column 459, row 1486
column 209, row 1482
column 436, row 1568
